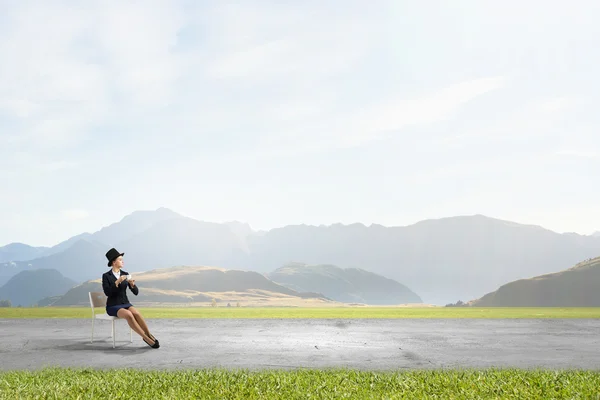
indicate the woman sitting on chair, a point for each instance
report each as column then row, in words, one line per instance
column 117, row 304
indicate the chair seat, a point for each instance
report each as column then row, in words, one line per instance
column 105, row 316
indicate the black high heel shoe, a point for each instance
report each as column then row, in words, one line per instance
column 154, row 346
column 151, row 336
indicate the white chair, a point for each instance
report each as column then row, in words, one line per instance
column 98, row 299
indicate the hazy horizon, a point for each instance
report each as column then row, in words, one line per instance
column 276, row 114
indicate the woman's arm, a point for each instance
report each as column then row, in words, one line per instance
column 108, row 288
column 133, row 287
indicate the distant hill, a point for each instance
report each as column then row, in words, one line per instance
column 573, row 287
column 596, row 234
column 350, row 285
column 191, row 285
column 20, row 252
column 28, row 287
column 10, row 269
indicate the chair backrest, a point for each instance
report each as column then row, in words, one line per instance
column 97, row 299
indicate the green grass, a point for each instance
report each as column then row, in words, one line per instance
column 299, row 384
column 338, row 312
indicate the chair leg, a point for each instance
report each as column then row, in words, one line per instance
column 92, row 330
column 113, row 332
column 130, row 335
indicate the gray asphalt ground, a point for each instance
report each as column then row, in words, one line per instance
column 255, row 344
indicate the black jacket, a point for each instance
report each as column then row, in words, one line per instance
column 116, row 294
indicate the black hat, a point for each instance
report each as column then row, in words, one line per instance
column 112, row 254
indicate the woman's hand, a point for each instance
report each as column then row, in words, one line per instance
column 131, row 282
column 121, row 279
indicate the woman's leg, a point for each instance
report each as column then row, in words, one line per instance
column 128, row 316
column 140, row 320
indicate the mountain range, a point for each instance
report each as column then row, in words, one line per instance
column 441, row 260
column 191, row 284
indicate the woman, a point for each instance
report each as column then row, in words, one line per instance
column 117, row 303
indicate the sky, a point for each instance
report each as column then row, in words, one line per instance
column 284, row 112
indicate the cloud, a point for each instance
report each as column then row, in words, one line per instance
column 266, row 43
column 523, row 137
column 429, row 108
column 356, row 127
column 132, row 67
column 138, row 42
column 44, row 86
column 578, row 153
column 306, row 55
column 150, row 68
column 27, row 164
column 520, row 121
column 553, row 104
column 74, row 68
column 74, row 214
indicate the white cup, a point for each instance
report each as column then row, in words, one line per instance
column 129, row 277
